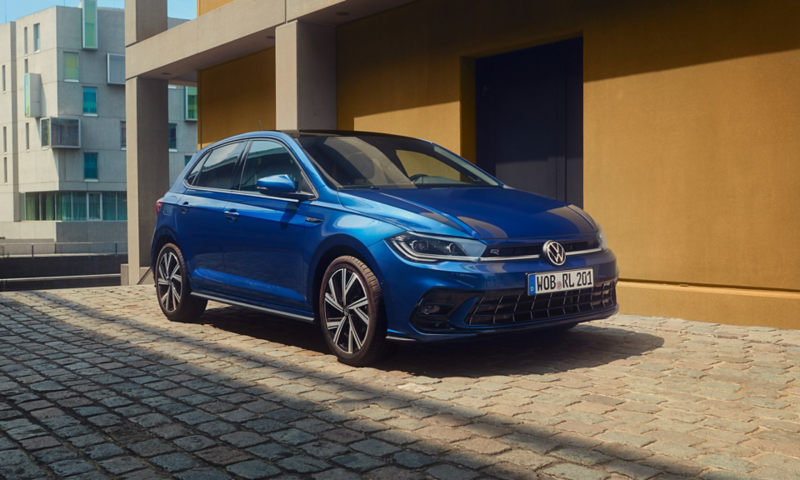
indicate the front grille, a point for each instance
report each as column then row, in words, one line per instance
column 536, row 249
column 518, row 307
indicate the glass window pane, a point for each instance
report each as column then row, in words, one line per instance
column 173, row 136
column 191, row 103
column 90, row 166
column 123, row 134
column 70, row 66
column 89, row 23
column 116, row 69
column 90, row 100
column 79, row 206
column 94, row 206
column 65, row 206
column 65, row 132
column 267, row 158
column 30, row 206
column 45, row 132
column 49, row 206
column 36, row 40
column 109, row 206
column 122, row 206
column 219, row 166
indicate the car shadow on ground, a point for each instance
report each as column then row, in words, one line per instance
column 539, row 352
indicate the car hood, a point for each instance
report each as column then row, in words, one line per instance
column 485, row 213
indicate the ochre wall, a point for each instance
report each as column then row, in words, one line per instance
column 692, row 129
column 235, row 96
column 205, row 6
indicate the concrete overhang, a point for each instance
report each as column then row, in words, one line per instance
column 233, row 30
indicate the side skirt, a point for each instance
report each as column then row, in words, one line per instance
column 293, row 316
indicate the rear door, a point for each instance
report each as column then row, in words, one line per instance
column 264, row 245
column 202, row 225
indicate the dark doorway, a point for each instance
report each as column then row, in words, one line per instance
column 530, row 119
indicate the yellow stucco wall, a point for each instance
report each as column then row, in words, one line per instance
column 692, row 130
column 235, row 96
column 205, row 6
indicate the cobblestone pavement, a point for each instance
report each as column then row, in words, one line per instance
column 96, row 383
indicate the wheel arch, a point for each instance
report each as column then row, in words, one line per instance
column 333, row 248
column 162, row 237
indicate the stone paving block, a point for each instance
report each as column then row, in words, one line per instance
column 302, row 464
column 103, row 451
column 173, row 462
column 253, row 469
column 449, row 472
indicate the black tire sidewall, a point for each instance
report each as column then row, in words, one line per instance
column 185, row 289
column 374, row 310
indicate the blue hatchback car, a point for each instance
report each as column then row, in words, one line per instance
column 378, row 238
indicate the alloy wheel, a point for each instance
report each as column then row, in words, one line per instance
column 169, row 282
column 346, row 311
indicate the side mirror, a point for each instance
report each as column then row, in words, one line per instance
column 281, row 186
column 276, row 184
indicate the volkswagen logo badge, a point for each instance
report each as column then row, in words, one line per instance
column 554, row 252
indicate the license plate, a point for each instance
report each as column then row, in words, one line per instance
column 560, row 281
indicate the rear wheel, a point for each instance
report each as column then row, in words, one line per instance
column 173, row 289
column 352, row 313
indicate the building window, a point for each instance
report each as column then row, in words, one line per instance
column 186, row 159
column 37, row 43
column 116, row 69
column 123, row 134
column 90, row 166
column 44, row 130
column 25, row 68
column 89, row 10
column 64, row 132
column 27, row 136
column 173, row 137
column 89, row 101
column 25, row 40
column 70, row 67
column 191, row 103
column 5, row 140
column 4, row 79
column 5, row 170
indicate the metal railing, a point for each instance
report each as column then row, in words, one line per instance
column 28, row 249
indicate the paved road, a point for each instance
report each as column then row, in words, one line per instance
column 95, row 383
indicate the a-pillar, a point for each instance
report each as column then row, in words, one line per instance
column 305, row 76
column 148, row 138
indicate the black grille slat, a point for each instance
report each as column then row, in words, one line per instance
column 512, row 308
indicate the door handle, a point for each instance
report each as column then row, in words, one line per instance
column 184, row 207
column 232, row 215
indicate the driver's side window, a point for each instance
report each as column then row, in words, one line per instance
column 267, row 158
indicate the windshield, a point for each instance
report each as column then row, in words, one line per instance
column 389, row 162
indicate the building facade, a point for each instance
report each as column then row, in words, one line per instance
column 62, row 114
column 676, row 124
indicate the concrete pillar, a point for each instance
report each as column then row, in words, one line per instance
column 148, row 137
column 305, row 76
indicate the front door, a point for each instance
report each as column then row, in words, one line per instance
column 264, row 244
column 529, row 109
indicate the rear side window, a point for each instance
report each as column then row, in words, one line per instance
column 267, row 158
column 217, row 169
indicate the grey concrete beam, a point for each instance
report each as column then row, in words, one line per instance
column 147, row 164
column 144, row 19
column 305, row 83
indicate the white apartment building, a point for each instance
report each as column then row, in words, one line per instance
column 62, row 116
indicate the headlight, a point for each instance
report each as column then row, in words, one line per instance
column 601, row 238
column 427, row 248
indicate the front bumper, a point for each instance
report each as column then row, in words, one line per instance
column 468, row 299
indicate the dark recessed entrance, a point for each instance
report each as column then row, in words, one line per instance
column 530, row 119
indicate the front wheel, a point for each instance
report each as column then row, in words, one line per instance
column 173, row 289
column 352, row 313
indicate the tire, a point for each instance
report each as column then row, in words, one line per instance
column 172, row 287
column 354, row 324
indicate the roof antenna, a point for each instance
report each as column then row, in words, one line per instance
column 262, row 126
